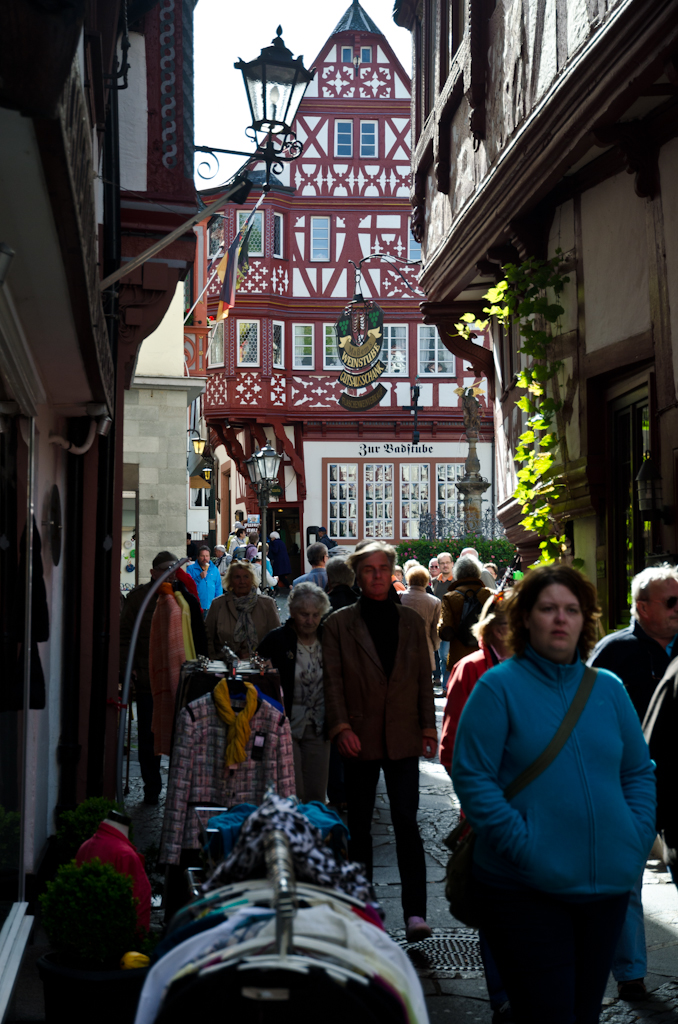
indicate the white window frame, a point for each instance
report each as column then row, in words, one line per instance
column 375, row 155
column 458, row 501
column 334, row 523
column 295, row 365
column 405, row 498
column 362, row 50
column 388, row 372
column 350, row 58
column 365, row 499
column 320, row 259
column 258, row 323
column 281, row 325
column 220, row 326
column 337, row 122
column 278, row 219
column 411, row 241
column 242, row 217
column 447, row 356
column 327, row 365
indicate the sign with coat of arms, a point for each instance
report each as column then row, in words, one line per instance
column 359, row 339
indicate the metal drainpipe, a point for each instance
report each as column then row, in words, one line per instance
column 103, row 559
column 68, row 751
column 28, row 623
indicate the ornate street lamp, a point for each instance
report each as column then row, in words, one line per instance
column 263, row 467
column 198, row 443
column 275, row 83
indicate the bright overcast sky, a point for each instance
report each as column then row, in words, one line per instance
column 226, row 31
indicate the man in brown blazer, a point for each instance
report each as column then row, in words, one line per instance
column 380, row 713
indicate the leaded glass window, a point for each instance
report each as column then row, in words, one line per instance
column 248, row 343
column 343, row 500
column 378, row 501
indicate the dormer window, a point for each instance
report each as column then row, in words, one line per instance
column 347, row 54
column 365, row 54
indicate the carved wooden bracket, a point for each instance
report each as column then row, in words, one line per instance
column 419, row 197
column 296, row 460
column 227, row 436
column 639, row 150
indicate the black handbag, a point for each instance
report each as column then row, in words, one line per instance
column 459, row 889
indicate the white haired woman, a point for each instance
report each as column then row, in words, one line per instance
column 455, row 620
column 242, row 616
column 295, row 649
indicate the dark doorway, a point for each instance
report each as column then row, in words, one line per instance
column 287, row 522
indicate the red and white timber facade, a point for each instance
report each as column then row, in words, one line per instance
column 274, row 371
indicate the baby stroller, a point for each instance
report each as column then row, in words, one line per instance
column 277, row 948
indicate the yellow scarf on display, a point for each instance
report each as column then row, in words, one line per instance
column 238, row 722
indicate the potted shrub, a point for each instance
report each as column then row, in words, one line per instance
column 75, row 827
column 90, row 918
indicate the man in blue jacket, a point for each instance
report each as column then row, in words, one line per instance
column 207, row 578
column 640, row 655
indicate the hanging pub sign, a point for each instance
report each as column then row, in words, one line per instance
column 359, row 340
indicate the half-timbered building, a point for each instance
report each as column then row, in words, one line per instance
column 274, row 367
column 553, row 126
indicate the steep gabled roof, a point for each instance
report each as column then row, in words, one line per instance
column 356, row 20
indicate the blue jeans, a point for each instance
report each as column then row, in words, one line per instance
column 630, row 956
column 495, row 986
column 553, row 955
column 443, row 651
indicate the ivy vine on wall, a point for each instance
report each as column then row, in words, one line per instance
column 523, row 302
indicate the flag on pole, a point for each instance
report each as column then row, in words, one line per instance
column 233, row 268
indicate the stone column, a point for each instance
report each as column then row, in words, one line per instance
column 472, row 485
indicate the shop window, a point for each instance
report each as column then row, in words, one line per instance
column 414, row 496
column 378, row 502
column 448, row 498
column 630, row 532
column 343, row 500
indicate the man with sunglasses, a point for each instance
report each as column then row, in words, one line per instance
column 640, row 655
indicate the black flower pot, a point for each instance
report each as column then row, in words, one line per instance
column 83, row 997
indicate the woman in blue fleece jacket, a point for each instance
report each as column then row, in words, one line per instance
column 553, row 868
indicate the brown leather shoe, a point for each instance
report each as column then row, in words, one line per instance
column 417, row 929
column 632, row 991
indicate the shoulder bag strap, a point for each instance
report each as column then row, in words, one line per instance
column 559, row 740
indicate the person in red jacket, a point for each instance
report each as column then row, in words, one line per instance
column 110, row 843
column 491, row 631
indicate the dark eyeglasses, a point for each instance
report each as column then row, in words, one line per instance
column 668, row 602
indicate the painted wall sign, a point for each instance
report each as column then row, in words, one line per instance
column 359, row 340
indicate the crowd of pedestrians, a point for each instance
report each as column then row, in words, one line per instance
column 542, row 736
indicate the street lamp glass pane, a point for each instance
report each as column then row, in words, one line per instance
column 270, row 461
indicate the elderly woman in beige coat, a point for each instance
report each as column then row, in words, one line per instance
column 427, row 605
column 242, row 616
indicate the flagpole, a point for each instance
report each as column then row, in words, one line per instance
column 162, row 243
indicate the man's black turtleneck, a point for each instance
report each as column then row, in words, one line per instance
column 382, row 621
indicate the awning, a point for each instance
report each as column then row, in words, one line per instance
column 197, row 481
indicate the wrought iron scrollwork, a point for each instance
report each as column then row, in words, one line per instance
column 447, row 527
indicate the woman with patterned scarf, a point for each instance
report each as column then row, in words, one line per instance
column 242, row 616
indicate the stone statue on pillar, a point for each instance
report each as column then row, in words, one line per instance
column 472, row 485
